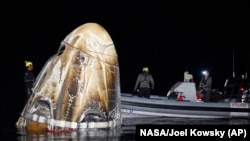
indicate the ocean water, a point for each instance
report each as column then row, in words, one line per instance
column 12, row 107
column 126, row 132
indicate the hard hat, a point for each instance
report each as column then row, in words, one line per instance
column 28, row 63
column 145, row 69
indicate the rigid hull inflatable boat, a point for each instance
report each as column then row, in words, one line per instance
column 187, row 107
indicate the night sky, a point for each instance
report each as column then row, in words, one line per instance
column 165, row 36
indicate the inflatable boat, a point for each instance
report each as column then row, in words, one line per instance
column 188, row 106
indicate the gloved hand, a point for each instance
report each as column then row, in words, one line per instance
column 134, row 92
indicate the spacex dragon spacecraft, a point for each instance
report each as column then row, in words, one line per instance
column 78, row 87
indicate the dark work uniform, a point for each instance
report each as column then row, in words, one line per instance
column 145, row 82
column 29, row 79
column 206, row 88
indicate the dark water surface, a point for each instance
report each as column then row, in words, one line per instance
column 126, row 132
column 11, row 109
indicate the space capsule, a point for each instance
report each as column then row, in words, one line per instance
column 78, row 87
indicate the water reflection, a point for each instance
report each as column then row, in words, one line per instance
column 79, row 135
column 237, row 121
column 127, row 130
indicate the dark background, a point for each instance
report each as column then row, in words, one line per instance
column 165, row 36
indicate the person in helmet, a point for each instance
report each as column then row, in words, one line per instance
column 29, row 78
column 205, row 86
column 144, row 83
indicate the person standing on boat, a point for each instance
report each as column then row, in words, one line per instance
column 29, row 78
column 206, row 86
column 144, row 83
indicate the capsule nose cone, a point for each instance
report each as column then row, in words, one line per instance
column 92, row 38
